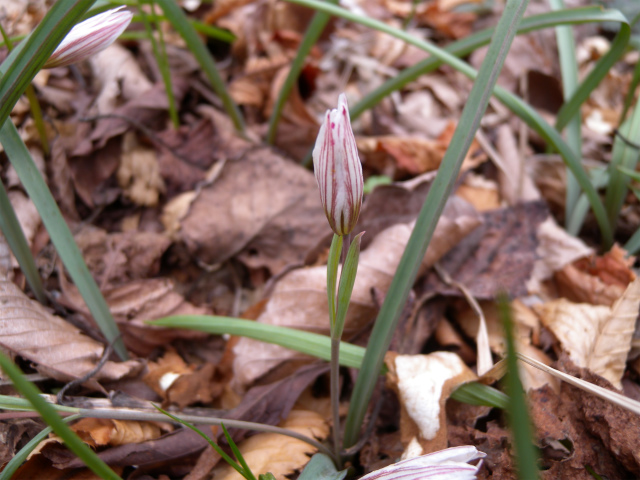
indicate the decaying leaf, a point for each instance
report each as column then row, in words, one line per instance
column 596, row 337
column 139, row 172
column 423, row 384
column 58, row 349
column 278, row 454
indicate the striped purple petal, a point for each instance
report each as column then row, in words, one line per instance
column 338, row 169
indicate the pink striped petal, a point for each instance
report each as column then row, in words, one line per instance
column 90, row 37
column 338, row 169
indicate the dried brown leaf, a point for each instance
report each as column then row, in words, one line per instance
column 58, row 349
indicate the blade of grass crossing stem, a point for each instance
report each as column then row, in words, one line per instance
column 160, row 54
column 50, row 416
column 13, row 465
column 525, row 454
column 313, row 344
column 569, row 71
column 468, row 44
column 626, row 156
column 429, row 214
column 515, row 104
column 61, row 236
column 314, row 30
column 10, row 227
column 181, row 23
column 21, row 68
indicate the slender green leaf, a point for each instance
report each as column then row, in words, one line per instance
column 181, row 23
column 347, row 280
column 314, row 30
column 248, row 474
column 625, row 156
column 321, row 467
column 475, row 393
column 17, row 460
column 50, row 416
column 332, row 276
column 525, row 454
column 27, row 60
column 10, row 227
column 429, row 214
column 313, row 344
column 569, row 71
column 515, row 104
column 60, row 234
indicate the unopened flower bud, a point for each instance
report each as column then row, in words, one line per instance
column 338, row 169
column 90, row 37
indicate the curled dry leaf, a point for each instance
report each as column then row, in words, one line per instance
column 57, row 348
column 596, row 337
column 423, row 384
column 105, row 431
column 300, row 299
column 278, row 454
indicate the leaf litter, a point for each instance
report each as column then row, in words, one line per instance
column 199, row 220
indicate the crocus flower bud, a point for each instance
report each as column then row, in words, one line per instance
column 89, row 37
column 338, row 169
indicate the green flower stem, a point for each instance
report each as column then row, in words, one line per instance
column 10, row 227
column 314, row 30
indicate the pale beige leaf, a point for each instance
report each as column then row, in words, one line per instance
column 58, row 349
column 595, row 336
column 300, row 299
column 423, row 384
column 278, row 454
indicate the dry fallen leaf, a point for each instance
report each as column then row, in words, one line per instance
column 57, row 348
column 423, row 384
column 595, row 336
column 105, row 431
column 278, row 454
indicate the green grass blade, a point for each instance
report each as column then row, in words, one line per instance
column 17, row 460
column 625, row 156
column 332, row 276
column 50, row 416
column 475, row 393
column 599, row 71
column 247, row 473
column 525, row 454
column 633, row 244
column 313, row 344
column 21, row 68
column 429, row 214
column 181, row 23
column 60, row 234
column 569, row 71
column 515, row 104
column 10, row 227
column 347, row 280
column 314, row 30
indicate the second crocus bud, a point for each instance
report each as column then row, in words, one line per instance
column 338, row 169
column 90, row 37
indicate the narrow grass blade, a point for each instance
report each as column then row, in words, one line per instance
column 181, row 23
column 160, row 54
column 50, row 416
column 248, row 474
column 27, row 60
column 313, row 344
column 314, row 30
column 475, row 393
column 60, row 234
column 429, row 214
column 525, row 455
column 10, row 227
column 569, row 71
column 515, row 104
column 347, row 280
column 625, row 156
column 17, row 460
